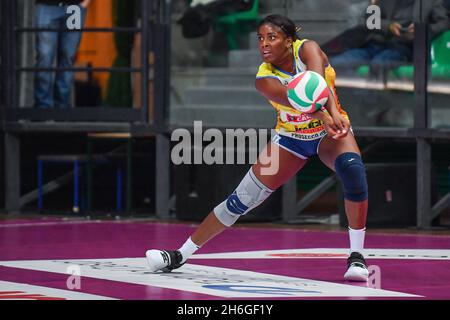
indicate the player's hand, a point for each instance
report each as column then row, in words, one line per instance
column 341, row 126
column 330, row 126
column 327, row 121
column 336, row 125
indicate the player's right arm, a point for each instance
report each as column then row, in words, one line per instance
column 274, row 91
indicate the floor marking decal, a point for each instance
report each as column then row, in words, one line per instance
column 21, row 291
column 215, row 281
column 327, row 253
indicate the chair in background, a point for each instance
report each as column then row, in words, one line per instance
column 440, row 61
column 235, row 23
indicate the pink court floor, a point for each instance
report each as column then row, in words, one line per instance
column 53, row 259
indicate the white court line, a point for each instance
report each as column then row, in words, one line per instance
column 46, row 224
column 21, row 291
column 331, row 253
column 214, row 281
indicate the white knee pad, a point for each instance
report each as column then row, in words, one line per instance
column 249, row 194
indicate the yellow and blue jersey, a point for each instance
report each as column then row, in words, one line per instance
column 290, row 122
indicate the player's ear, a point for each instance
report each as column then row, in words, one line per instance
column 289, row 43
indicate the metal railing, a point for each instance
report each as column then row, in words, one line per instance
column 153, row 18
column 16, row 121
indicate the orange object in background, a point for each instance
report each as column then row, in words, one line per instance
column 97, row 48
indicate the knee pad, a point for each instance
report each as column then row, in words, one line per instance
column 249, row 194
column 352, row 173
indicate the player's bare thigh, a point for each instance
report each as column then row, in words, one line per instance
column 275, row 166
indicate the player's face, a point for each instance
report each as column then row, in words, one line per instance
column 273, row 44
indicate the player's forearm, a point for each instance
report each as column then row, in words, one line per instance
column 331, row 104
column 320, row 115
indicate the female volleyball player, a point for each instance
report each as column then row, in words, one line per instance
column 299, row 137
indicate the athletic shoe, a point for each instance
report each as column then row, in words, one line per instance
column 163, row 260
column 357, row 269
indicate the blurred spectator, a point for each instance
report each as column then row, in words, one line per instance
column 393, row 44
column 447, row 5
column 199, row 17
column 49, row 92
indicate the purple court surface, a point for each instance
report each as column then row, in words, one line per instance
column 54, row 259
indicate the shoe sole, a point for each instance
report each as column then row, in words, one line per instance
column 357, row 274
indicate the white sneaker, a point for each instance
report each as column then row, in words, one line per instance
column 357, row 269
column 163, row 260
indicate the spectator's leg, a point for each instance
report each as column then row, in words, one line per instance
column 386, row 60
column 67, row 49
column 349, row 60
column 46, row 42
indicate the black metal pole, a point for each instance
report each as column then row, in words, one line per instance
column 3, row 96
column 7, row 56
column 158, row 76
column 161, row 48
column 11, row 141
column 12, row 173
column 2, row 59
column 424, row 207
column 421, row 123
column 167, row 71
column 129, row 194
column 162, row 179
column 421, row 54
column 144, row 60
column 89, row 188
column 14, row 53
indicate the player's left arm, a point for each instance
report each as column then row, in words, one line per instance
column 316, row 60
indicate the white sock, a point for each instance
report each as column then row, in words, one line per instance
column 188, row 249
column 356, row 239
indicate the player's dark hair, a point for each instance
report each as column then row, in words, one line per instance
column 284, row 23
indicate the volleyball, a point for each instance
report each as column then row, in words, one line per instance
column 308, row 92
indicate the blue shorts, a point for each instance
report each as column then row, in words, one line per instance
column 300, row 148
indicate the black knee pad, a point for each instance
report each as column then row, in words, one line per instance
column 352, row 173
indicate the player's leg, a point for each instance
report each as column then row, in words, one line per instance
column 273, row 168
column 270, row 170
column 343, row 157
